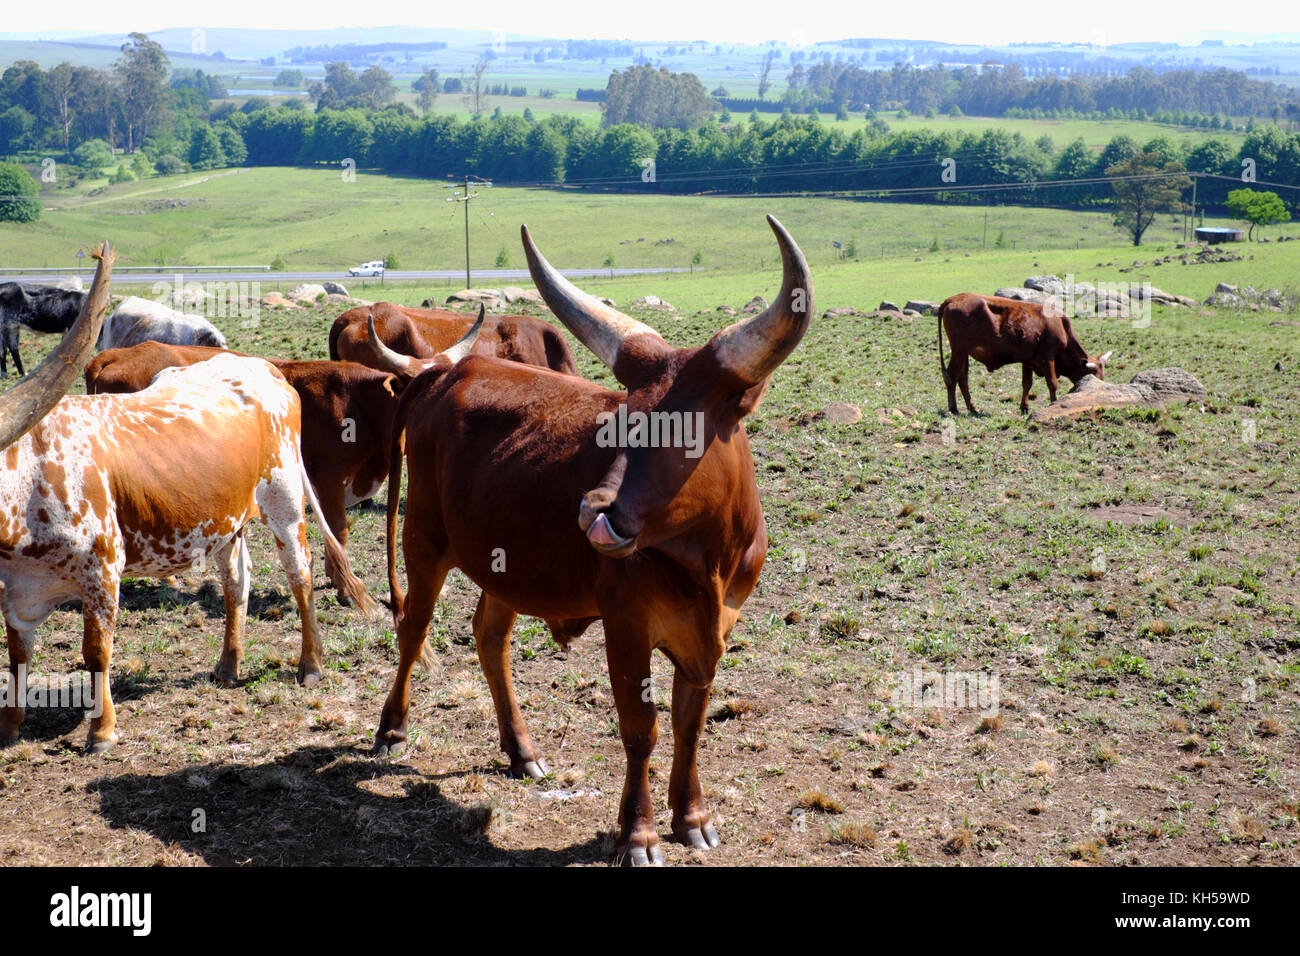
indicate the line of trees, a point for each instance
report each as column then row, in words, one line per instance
column 993, row 91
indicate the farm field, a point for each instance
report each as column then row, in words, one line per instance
column 1129, row 578
column 314, row 219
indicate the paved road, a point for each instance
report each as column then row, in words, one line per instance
column 483, row 277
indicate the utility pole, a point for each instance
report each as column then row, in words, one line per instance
column 1189, row 226
column 465, row 197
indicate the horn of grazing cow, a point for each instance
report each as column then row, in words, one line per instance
column 752, row 348
column 600, row 327
column 1106, row 358
column 408, row 365
column 28, row 402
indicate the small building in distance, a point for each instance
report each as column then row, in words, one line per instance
column 1216, row 234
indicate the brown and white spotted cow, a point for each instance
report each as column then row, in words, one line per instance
column 147, row 485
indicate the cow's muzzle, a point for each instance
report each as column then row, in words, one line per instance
column 594, row 520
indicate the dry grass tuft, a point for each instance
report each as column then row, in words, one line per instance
column 1040, row 768
column 733, row 709
column 1089, row 851
column 853, row 834
column 961, row 840
column 818, row 802
column 1269, row 727
column 989, row 725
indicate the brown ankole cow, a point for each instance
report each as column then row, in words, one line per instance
column 527, row 481
column 998, row 332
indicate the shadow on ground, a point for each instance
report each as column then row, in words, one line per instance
column 312, row 808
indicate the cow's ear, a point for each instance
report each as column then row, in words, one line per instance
column 394, row 385
column 747, row 401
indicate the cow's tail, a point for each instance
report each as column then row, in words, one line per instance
column 352, row 586
column 396, row 455
column 943, row 365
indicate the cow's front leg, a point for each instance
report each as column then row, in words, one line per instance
column 628, row 654
column 492, row 623
column 691, row 824
column 1051, row 380
column 1026, row 383
column 100, row 620
column 232, row 562
column 21, row 644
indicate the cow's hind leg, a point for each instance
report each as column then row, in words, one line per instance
column 1026, row 383
column 412, row 626
column 627, row 649
column 21, row 643
column 282, row 505
column 959, row 372
column 492, row 623
column 232, row 562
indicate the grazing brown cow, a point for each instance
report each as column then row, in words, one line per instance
column 30, row 400
column 525, row 480
column 998, row 332
column 148, row 485
column 426, row 332
column 347, row 415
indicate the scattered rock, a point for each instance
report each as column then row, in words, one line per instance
column 71, row 284
column 921, row 307
column 305, row 292
column 653, row 302
column 887, row 306
column 334, row 288
column 754, row 305
column 475, row 295
column 836, row 313
column 274, row 300
column 840, row 413
column 1052, row 285
column 727, row 310
column 1153, row 388
column 514, row 294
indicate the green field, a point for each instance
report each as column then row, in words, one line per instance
column 316, row 221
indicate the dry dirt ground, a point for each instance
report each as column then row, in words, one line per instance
column 1129, row 580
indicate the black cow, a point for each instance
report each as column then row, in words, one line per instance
column 40, row 308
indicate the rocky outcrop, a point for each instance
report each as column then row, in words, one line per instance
column 1153, row 388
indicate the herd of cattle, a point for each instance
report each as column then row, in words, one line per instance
column 179, row 443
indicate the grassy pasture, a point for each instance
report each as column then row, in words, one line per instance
column 315, row 219
column 1129, row 731
column 1129, row 578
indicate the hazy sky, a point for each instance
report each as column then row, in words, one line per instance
column 1098, row 21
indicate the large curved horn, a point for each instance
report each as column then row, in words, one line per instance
column 386, row 359
column 31, row 399
column 466, row 344
column 600, row 327
column 752, row 348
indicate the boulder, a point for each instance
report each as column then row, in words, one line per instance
column 1153, row 388
column 921, row 306
column 836, row 313
column 840, row 413
column 513, row 294
column 1052, row 285
column 754, row 305
column 305, row 292
column 652, row 302
column 274, row 300
column 71, row 284
column 726, row 310
column 887, row 306
column 334, row 288
column 474, row 295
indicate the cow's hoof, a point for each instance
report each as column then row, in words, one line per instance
column 642, row 856
column 226, row 671
column 389, row 746
column 699, row 838
column 532, row 769
column 309, row 677
column 94, row 747
column 343, row 599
